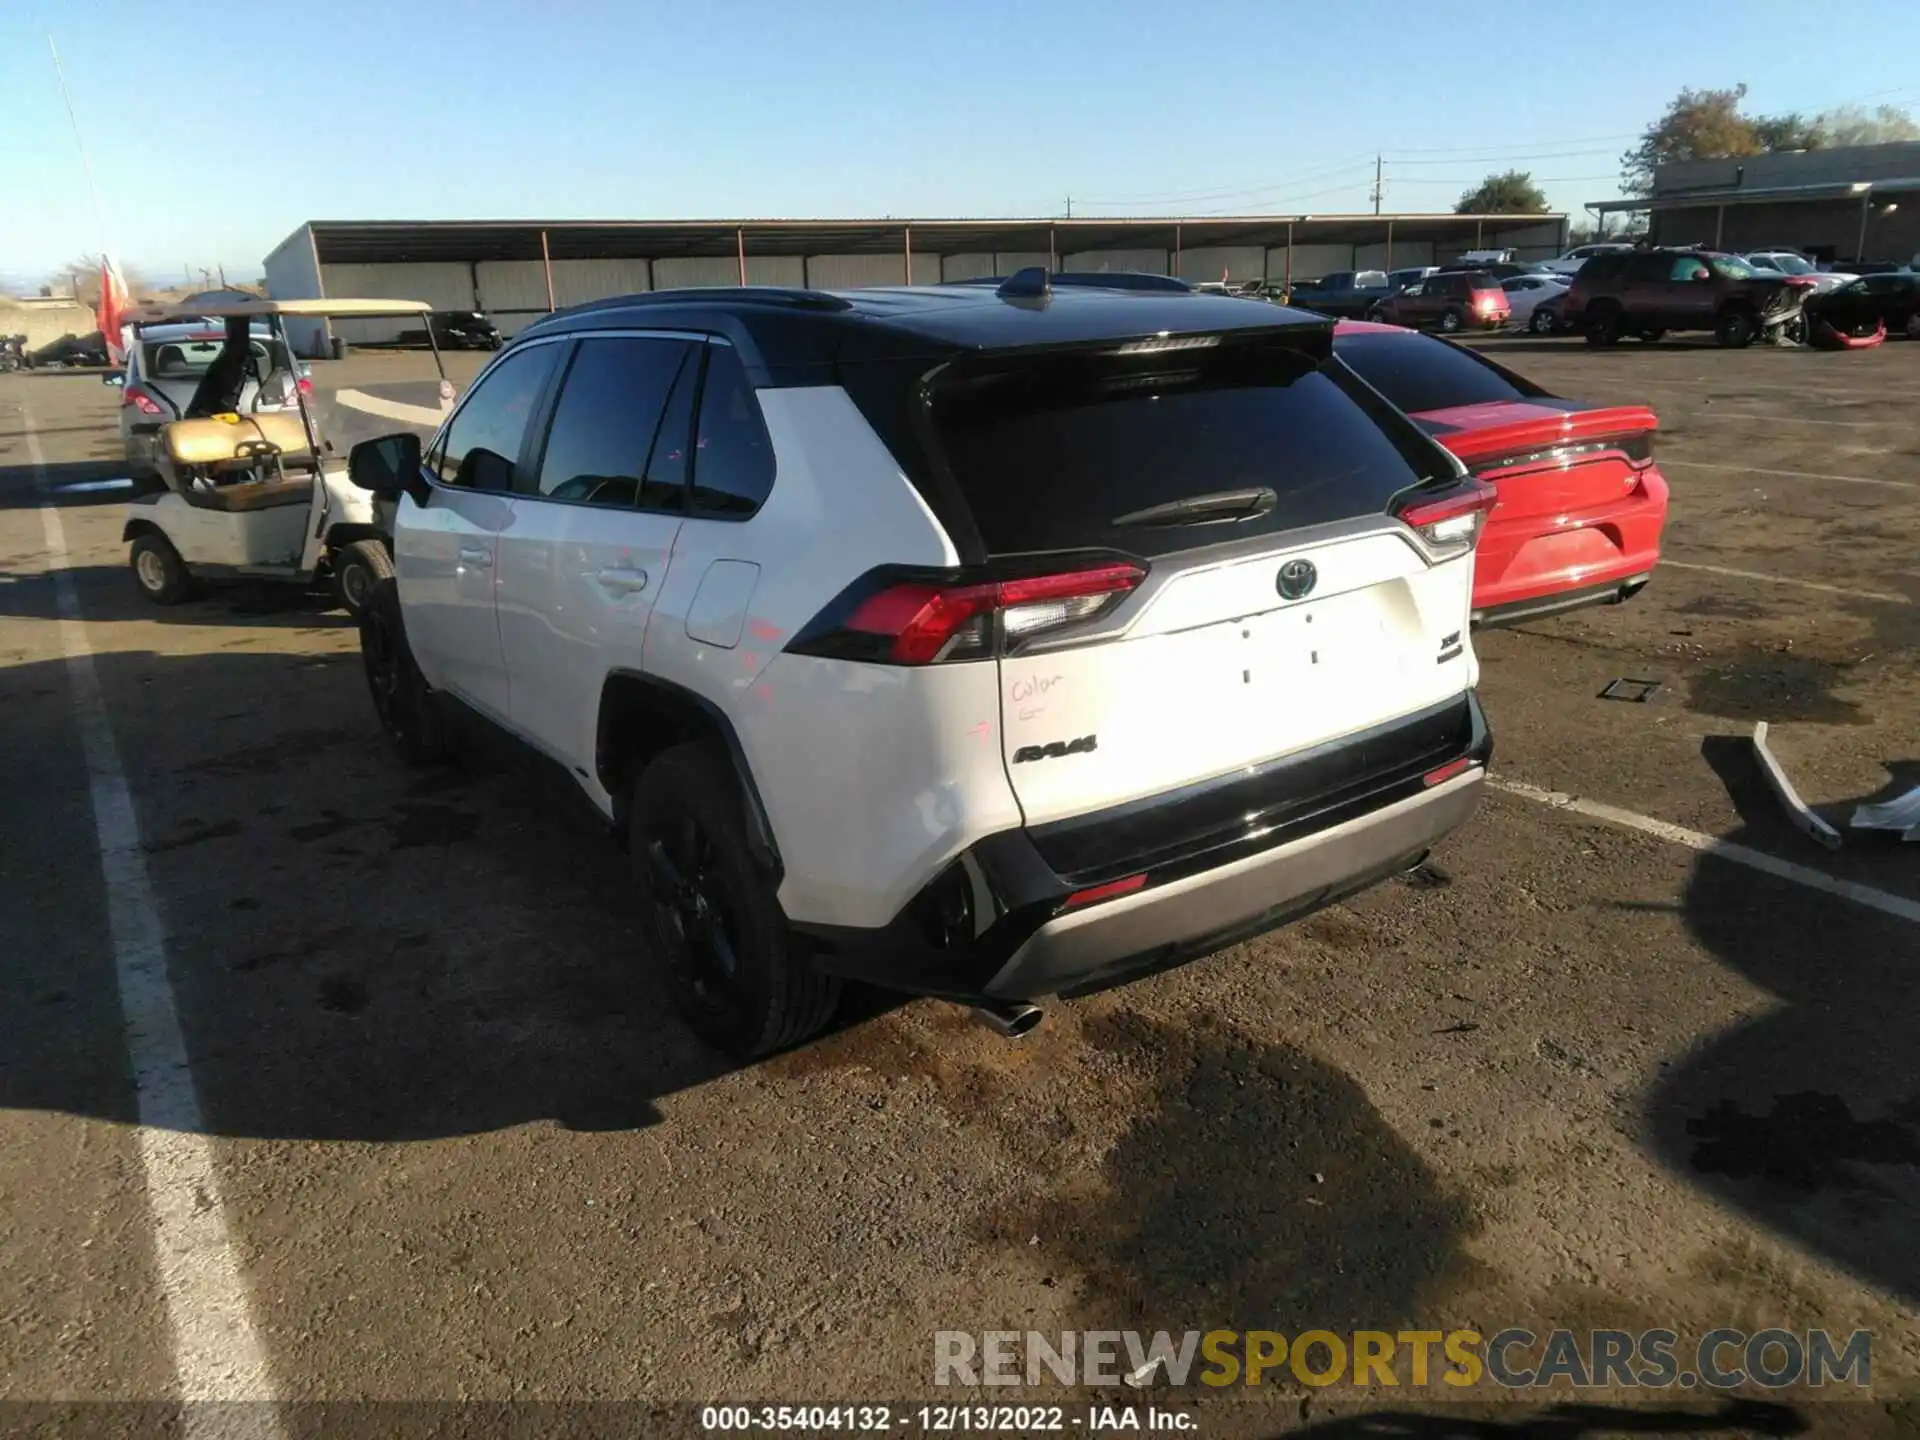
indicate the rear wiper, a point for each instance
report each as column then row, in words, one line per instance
column 1201, row 509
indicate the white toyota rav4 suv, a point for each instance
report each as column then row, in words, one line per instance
column 985, row 641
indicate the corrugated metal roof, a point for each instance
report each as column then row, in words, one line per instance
column 1708, row 199
column 381, row 241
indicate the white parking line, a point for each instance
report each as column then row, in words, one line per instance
column 216, row 1353
column 1668, row 460
column 1667, row 564
column 390, row 409
column 1897, row 906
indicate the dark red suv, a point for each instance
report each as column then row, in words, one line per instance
column 1450, row 301
column 1646, row 293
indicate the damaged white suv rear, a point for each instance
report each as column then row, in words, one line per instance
column 989, row 642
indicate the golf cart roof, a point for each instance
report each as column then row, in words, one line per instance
column 218, row 309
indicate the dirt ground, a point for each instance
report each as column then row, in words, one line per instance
column 1568, row 1073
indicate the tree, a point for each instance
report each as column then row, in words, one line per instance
column 1698, row 125
column 1511, row 193
column 1852, row 125
column 1791, row 131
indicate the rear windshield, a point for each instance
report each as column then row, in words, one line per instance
column 1418, row 373
column 1052, row 450
column 189, row 359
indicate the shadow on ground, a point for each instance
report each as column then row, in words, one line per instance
column 1807, row 1116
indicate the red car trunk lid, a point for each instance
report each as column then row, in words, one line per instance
column 1545, row 460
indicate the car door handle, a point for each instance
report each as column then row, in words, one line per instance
column 620, row 581
column 470, row 555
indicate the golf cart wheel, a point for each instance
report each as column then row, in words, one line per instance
column 401, row 697
column 357, row 568
column 1735, row 329
column 1541, row 322
column 1603, row 325
column 1451, row 320
column 158, row 570
column 711, row 918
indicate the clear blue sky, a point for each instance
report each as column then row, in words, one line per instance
column 739, row 108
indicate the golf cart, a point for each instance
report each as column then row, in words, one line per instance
column 245, row 489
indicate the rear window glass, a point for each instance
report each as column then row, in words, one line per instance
column 189, row 359
column 1418, row 373
column 1052, row 451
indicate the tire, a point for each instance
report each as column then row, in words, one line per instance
column 1603, row 325
column 357, row 568
column 711, row 918
column 158, row 571
column 1451, row 321
column 1541, row 322
column 1735, row 329
column 402, row 699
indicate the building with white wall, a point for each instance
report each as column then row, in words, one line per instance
column 519, row 270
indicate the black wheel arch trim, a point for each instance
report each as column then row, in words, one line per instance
column 759, row 827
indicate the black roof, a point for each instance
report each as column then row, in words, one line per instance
column 796, row 337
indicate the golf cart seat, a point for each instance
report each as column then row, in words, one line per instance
column 266, row 495
column 223, row 443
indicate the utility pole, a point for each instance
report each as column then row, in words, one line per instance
column 1069, row 207
column 1379, row 186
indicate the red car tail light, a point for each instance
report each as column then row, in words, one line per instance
column 1451, row 519
column 140, row 400
column 1635, row 447
column 928, row 622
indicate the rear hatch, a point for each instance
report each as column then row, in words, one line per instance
column 1546, row 456
column 1207, row 570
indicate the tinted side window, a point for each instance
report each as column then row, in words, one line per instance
column 1418, row 373
column 602, row 442
column 481, row 448
column 733, row 457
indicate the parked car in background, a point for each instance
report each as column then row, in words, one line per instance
column 1549, row 316
column 1498, row 269
column 1348, row 293
column 164, row 368
column 1450, row 301
column 71, row 350
column 1791, row 262
column 456, row 330
column 1646, row 293
column 1581, row 504
column 1398, row 280
column 1864, row 305
column 1526, row 292
column 1177, row 641
column 1570, row 263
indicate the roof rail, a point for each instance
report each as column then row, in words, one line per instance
column 789, row 297
column 1083, row 279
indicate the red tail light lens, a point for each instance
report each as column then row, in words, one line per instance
column 928, row 622
column 140, row 400
column 1450, row 519
column 304, row 385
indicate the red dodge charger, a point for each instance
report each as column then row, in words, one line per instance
column 1581, row 504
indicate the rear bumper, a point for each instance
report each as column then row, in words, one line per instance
column 1156, row 929
column 1304, row 832
column 1558, row 602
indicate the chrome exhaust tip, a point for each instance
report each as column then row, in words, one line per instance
column 1011, row 1019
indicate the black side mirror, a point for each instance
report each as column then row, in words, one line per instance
column 389, row 467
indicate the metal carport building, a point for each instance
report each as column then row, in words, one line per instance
column 519, row 270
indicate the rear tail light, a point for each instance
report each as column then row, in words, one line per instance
column 1450, row 519
column 927, row 622
column 140, row 400
column 304, row 385
column 1112, row 890
column 1636, row 448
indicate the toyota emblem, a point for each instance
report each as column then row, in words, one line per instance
column 1296, row 580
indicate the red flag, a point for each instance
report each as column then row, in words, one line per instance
column 112, row 312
